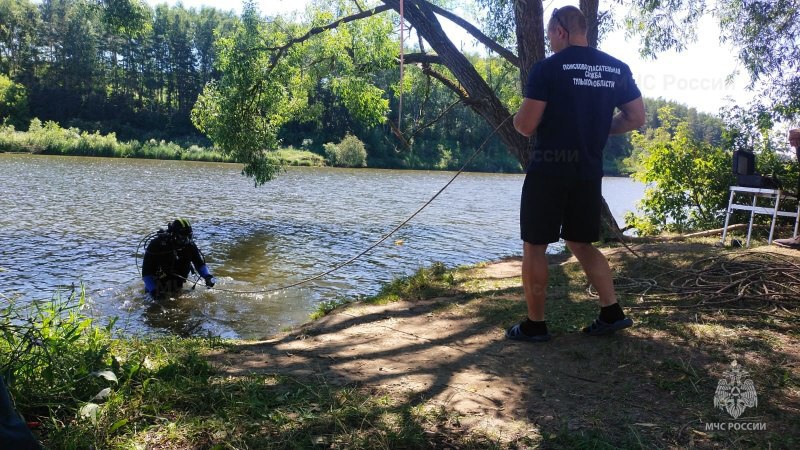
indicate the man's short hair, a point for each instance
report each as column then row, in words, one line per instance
column 568, row 17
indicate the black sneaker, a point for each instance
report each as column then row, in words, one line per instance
column 515, row 333
column 600, row 328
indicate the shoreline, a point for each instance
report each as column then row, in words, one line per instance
column 424, row 364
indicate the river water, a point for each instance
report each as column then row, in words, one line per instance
column 72, row 220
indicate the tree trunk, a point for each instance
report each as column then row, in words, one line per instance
column 481, row 98
column 589, row 9
column 529, row 18
column 611, row 230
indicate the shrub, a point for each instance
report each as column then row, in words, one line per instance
column 53, row 355
column 50, row 138
column 687, row 181
column 293, row 157
column 350, row 152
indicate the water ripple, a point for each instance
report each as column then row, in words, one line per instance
column 72, row 220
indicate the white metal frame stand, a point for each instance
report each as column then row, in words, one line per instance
column 774, row 210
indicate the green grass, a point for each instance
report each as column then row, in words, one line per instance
column 425, row 283
column 294, row 157
column 163, row 393
column 51, row 139
column 326, row 307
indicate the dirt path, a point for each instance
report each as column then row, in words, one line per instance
column 450, row 352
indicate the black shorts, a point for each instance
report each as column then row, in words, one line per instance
column 560, row 206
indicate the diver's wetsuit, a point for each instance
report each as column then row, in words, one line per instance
column 168, row 259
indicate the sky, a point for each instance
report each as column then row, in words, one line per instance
column 696, row 77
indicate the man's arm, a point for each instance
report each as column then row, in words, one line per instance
column 630, row 117
column 527, row 119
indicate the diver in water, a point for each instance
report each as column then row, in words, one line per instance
column 169, row 257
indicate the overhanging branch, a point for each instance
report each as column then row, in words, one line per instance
column 478, row 34
column 281, row 51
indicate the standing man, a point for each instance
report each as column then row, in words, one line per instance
column 794, row 141
column 569, row 105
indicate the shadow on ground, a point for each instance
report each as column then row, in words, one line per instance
column 652, row 386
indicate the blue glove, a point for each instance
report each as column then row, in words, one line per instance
column 203, row 271
column 150, row 285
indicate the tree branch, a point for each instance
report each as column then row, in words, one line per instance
column 478, row 34
column 422, row 58
column 281, row 51
column 436, row 119
column 460, row 91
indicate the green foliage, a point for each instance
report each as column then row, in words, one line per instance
column 136, row 69
column 294, row 157
column 350, row 152
column 54, row 358
column 662, row 116
column 125, row 16
column 427, row 282
column 13, row 102
column 752, row 128
column 687, row 180
column 765, row 34
column 51, row 139
column 269, row 72
column 767, row 37
column 326, row 307
column 18, row 35
column 664, row 25
column 243, row 111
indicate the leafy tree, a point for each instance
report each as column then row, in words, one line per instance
column 687, row 179
column 248, row 105
column 13, row 103
column 764, row 33
column 267, row 80
column 443, row 62
column 19, row 19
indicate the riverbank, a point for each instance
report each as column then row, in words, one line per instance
column 424, row 364
column 50, row 139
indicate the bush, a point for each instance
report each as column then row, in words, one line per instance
column 350, row 152
column 52, row 355
column 687, row 181
column 51, row 139
column 293, row 157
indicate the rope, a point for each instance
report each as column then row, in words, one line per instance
column 766, row 281
column 402, row 57
column 381, row 240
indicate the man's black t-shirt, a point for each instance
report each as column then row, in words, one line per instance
column 581, row 86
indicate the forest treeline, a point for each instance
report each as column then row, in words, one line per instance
column 138, row 73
